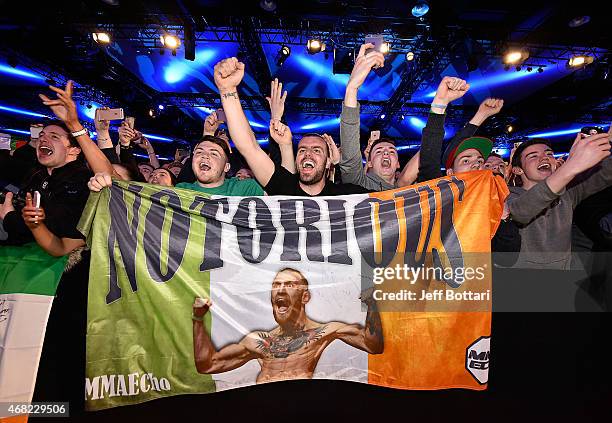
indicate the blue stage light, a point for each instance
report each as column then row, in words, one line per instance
column 498, row 78
column 144, row 156
column 407, row 147
column 18, row 72
column 158, row 138
column 21, row 112
column 257, row 124
column 420, row 9
column 160, row 107
column 15, row 131
column 551, row 134
column 417, row 123
column 383, row 116
column 321, row 124
column 321, row 70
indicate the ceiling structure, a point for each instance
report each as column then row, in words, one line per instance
column 460, row 38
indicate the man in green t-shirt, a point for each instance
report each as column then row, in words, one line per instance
column 210, row 163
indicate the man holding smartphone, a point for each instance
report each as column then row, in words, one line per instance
column 543, row 206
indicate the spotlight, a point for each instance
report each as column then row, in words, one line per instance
column 518, row 68
column 383, row 116
column 268, row 5
column 101, row 37
column 540, row 70
column 509, row 128
column 577, row 61
column 160, row 107
column 170, row 41
column 579, row 21
column 515, row 56
column 529, row 68
column 315, row 46
column 410, row 56
column 152, row 113
column 420, row 9
column 283, row 54
column 403, row 117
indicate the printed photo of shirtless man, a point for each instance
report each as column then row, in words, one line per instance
column 292, row 349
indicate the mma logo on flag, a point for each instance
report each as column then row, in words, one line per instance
column 477, row 358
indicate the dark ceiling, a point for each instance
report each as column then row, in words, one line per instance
column 53, row 39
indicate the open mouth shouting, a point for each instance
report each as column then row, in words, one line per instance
column 45, row 151
column 545, row 167
column 281, row 304
column 205, row 167
column 307, row 166
column 386, row 163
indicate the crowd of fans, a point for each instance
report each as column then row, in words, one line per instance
column 536, row 231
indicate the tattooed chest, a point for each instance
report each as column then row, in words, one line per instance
column 282, row 346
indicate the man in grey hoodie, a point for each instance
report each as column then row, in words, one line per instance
column 543, row 206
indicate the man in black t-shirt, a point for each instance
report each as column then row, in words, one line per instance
column 312, row 161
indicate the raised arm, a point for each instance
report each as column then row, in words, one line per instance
column 410, row 172
column 369, row 338
column 281, row 134
column 65, row 110
column 585, row 153
column 228, row 74
column 49, row 242
column 351, row 166
column 433, row 134
column 488, row 108
column 207, row 359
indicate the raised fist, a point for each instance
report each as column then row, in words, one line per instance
column 491, row 106
column 99, row 181
column 451, row 89
column 201, row 306
column 280, row 132
column 228, row 74
column 587, row 151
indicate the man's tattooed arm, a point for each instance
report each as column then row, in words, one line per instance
column 233, row 94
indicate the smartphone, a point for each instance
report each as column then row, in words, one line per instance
column 592, row 130
column 129, row 121
column 377, row 40
column 35, row 130
column 36, row 199
column 374, row 135
column 5, row 142
column 109, row 114
column 221, row 115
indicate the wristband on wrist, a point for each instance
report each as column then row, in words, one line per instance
column 79, row 133
column 197, row 318
column 438, row 106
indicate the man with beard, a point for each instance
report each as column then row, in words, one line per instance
column 210, row 162
column 543, row 206
column 293, row 348
column 312, row 159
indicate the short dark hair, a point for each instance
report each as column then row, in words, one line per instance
column 172, row 177
column 314, row 134
column 218, row 141
column 71, row 139
column 516, row 159
column 493, row 154
column 380, row 141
